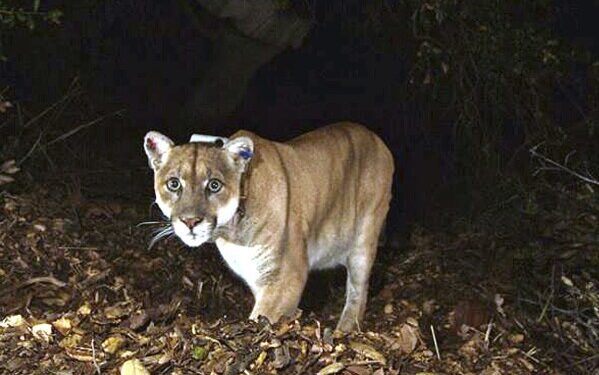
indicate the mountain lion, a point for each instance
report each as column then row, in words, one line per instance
column 278, row 210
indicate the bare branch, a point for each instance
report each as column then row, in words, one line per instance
column 547, row 164
column 82, row 126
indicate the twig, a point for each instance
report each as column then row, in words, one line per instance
column 199, row 290
column 435, row 341
column 50, row 108
column 35, row 280
column 488, row 333
column 559, row 167
column 77, row 248
column 94, row 357
column 81, row 127
column 186, row 343
column 44, row 279
column 28, row 154
column 529, row 354
column 588, row 359
column 549, row 299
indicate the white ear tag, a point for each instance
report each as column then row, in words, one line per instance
column 202, row 138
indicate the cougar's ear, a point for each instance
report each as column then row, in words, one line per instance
column 156, row 145
column 241, row 150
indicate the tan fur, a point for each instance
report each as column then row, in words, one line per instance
column 317, row 201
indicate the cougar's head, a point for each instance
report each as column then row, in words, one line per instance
column 197, row 185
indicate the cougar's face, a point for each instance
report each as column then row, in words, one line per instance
column 197, row 186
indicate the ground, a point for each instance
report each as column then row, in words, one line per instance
column 81, row 293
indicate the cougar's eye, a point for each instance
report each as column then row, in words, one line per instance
column 173, row 184
column 214, row 185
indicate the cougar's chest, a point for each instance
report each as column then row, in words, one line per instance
column 251, row 263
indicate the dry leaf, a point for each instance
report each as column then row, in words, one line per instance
column 429, row 306
column 282, row 357
column 133, row 367
column 80, row 354
column 567, row 281
column 516, row 338
column 139, row 319
column 333, row 368
column 468, row 313
column 63, row 325
column 407, row 338
column 165, row 358
column 42, row 331
column 113, row 344
column 85, row 309
column 5, row 105
column 388, row 309
column 70, row 341
column 499, row 304
column 368, row 351
column 9, row 167
column 529, row 366
column 115, row 312
column 260, row 360
column 12, row 321
column 4, row 179
column 357, row 370
column 445, row 67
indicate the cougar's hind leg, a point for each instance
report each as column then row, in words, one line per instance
column 359, row 264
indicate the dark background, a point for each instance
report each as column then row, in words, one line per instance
column 149, row 58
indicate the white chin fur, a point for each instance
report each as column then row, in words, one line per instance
column 226, row 212
column 201, row 233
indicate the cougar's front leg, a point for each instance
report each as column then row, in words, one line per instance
column 276, row 300
column 281, row 295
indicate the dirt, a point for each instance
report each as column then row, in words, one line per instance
column 81, row 293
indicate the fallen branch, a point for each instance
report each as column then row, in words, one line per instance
column 35, row 280
column 551, row 165
column 44, row 279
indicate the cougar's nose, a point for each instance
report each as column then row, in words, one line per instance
column 191, row 222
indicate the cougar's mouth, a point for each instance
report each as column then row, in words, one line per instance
column 195, row 236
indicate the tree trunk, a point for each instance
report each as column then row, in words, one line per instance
column 250, row 34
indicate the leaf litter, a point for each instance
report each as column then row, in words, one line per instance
column 81, row 294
